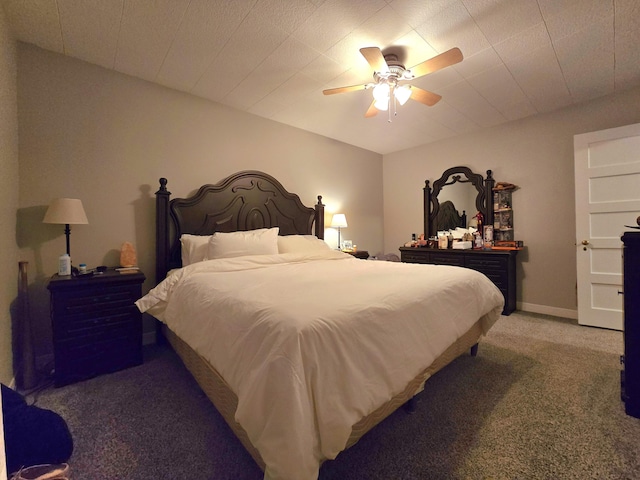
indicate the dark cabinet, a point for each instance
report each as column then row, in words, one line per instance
column 631, row 289
column 498, row 265
column 96, row 326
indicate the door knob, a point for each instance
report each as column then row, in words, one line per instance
column 585, row 242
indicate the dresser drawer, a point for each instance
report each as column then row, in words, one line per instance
column 494, row 268
column 498, row 266
column 455, row 260
column 415, row 257
column 486, row 263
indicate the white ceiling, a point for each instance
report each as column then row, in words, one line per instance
column 273, row 58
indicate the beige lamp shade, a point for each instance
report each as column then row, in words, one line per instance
column 339, row 220
column 66, row 211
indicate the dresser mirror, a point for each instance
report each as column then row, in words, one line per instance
column 455, row 198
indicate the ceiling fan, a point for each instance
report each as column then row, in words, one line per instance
column 391, row 77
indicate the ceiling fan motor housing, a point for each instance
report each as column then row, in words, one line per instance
column 396, row 73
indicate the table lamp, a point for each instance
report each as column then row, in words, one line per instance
column 66, row 211
column 339, row 221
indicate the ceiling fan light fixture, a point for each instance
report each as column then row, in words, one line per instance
column 402, row 94
column 381, row 92
column 388, row 72
column 382, row 104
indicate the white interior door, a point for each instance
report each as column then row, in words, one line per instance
column 607, row 182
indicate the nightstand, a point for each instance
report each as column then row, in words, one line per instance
column 359, row 254
column 96, row 326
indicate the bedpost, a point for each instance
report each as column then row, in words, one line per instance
column 488, row 187
column 320, row 218
column 426, row 208
column 162, row 230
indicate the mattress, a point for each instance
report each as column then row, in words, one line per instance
column 310, row 345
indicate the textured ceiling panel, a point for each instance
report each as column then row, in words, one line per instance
column 500, row 19
column 90, row 29
column 250, row 45
column 147, row 31
column 586, row 59
column 203, row 32
column 287, row 16
column 500, row 89
column 273, row 58
column 541, row 79
column 453, row 27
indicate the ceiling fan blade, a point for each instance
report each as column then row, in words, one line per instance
column 423, row 96
column 372, row 111
column 450, row 57
column 374, row 56
column 351, row 88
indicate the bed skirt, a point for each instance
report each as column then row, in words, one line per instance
column 226, row 401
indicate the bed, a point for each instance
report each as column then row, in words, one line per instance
column 301, row 348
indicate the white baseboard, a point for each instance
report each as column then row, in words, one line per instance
column 546, row 310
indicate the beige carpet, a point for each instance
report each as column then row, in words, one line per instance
column 540, row 401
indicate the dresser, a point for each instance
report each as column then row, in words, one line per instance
column 96, row 326
column 498, row 265
column 631, row 289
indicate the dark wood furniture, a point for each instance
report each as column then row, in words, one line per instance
column 362, row 254
column 498, row 265
column 96, row 326
column 631, row 288
column 245, row 201
column 432, row 198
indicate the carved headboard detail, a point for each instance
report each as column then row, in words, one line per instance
column 243, row 201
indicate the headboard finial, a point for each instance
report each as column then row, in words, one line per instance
column 163, row 184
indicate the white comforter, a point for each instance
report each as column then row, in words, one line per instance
column 310, row 344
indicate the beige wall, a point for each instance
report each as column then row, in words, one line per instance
column 537, row 155
column 8, row 195
column 106, row 138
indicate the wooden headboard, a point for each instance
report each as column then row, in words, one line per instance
column 243, row 201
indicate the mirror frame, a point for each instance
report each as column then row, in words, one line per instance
column 484, row 187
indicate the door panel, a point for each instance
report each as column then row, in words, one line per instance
column 607, row 182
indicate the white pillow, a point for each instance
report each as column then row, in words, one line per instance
column 301, row 244
column 263, row 241
column 194, row 248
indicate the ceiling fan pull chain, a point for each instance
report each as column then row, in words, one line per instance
column 395, row 103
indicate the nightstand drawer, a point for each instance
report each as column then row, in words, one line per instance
column 98, row 323
column 80, row 361
column 92, row 300
column 96, row 326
